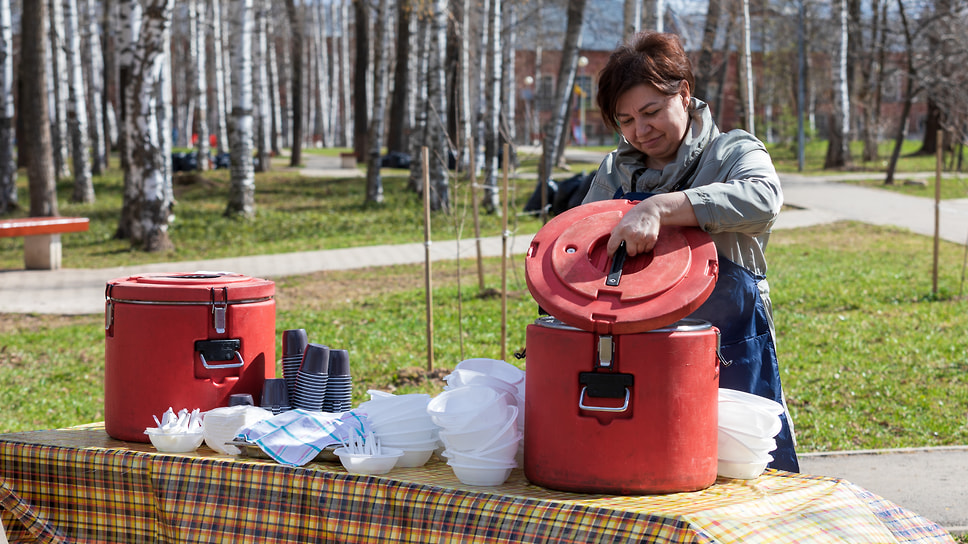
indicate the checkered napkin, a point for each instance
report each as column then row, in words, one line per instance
column 296, row 437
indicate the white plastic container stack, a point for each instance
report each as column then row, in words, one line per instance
column 480, row 432
column 402, row 422
column 748, row 425
column 494, row 373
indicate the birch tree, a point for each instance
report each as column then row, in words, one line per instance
column 418, row 135
column 36, row 140
column 200, row 84
column 129, row 25
column 94, row 75
column 400, row 100
column 381, row 61
column 147, row 171
column 217, row 75
column 838, row 150
column 274, row 82
column 361, row 98
column 492, row 109
column 8, row 166
column 295, row 94
column 346, row 112
column 260, row 85
column 77, row 106
column 242, row 187
column 437, row 99
column 563, row 90
column 57, row 87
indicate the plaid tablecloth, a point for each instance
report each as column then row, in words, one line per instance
column 79, row 485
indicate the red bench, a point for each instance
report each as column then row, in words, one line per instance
column 42, row 245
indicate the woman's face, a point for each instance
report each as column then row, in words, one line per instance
column 653, row 122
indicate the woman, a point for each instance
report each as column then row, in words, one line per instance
column 686, row 172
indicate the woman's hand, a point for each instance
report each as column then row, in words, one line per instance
column 639, row 227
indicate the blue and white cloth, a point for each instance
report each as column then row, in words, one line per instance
column 296, row 437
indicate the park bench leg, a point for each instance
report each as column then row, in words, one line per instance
column 42, row 252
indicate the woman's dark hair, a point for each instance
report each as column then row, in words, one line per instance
column 655, row 58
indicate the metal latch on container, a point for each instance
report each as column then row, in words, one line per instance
column 108, row 307
column 605, row 385
column 219, row 310
column 606, row 351
column 220, row 350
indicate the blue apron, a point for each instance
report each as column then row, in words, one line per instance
column 748, row 359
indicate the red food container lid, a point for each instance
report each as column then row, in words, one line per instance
column 567, row 267
column 199, row 287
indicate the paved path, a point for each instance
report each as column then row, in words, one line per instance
column 932, row 482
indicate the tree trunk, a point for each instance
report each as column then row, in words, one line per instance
column 129, row 23
column 563, row 90
column 36, row 143
column 437, row 95
column 200, row 85
column 632, row 17
column 242, row 186
column 398, row 129
column 361, row 100
column 77, row 106
column 838, row 150
column 908, row 96
column 9, row 199
column 110, row 98
column 418, row 135
column 295, row 92
column 147, row 170
column 381, row 60
column 344, row 61
column 323, row 86
column 260, row 84
column 218, row 76
column 58, row 89
column 94, row 74
column 492, row 109
column 274, row 83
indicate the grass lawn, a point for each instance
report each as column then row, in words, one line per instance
column 869, row 358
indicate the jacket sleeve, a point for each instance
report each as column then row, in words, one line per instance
column 736, row 190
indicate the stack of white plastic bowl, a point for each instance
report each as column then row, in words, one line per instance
column 748, row 425
column 479, row 431
column 402, row 422
column 494, row 373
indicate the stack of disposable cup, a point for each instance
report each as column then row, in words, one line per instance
column 339, row 389
column 312, row 378
column 275, row 398
column 294, row 343
column 748, row 425
column 479, row 431
column 402, row 422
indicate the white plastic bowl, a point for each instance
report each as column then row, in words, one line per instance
column 412, row 435
column 476, row 459
column 411, row 444
column 389, row 406
column 175, row 442
column 355, row 463
column 740, row 470
column 465, row 376
column 485, row 476
column 731, row 448
column 755, row 443
column 505, row 450
column 415, row 458
column 496, row 368
column 467, row 407
column 732, row 395
column 748, row 419
column 483, row 438
column 401, row 425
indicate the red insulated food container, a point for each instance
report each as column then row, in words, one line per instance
column 183, row 340
column 622, row 388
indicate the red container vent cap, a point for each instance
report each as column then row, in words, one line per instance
column 567, row 267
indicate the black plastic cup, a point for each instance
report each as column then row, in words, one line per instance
column 294, row 342
column 315, row 359
column 240, row 399
column 339, row 362
column 274, row 393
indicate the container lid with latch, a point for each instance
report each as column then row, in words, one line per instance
column 190, row 287
column 571, row 276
